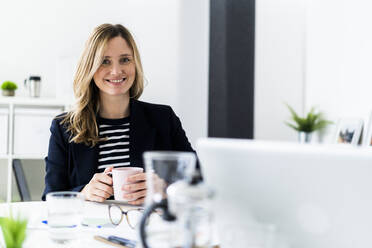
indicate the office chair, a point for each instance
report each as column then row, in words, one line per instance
column 21, row 180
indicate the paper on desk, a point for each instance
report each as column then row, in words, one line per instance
column 36, row 223
column 97, row 223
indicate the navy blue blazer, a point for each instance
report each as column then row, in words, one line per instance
column 70, row 166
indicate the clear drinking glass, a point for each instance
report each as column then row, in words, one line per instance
column 65, row 212
column 164, row 168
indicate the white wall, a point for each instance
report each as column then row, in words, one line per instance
column 46, row 38
column 279, row 66
column 339, row 58
column 311, row 53
column 194, row 67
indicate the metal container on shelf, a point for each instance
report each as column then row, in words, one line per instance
column 33, row 85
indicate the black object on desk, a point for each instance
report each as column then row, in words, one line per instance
column 122, row 241
column 116, row 241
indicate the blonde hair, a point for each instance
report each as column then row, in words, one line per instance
column 81, row 122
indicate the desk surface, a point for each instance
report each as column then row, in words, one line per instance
column 37, row 232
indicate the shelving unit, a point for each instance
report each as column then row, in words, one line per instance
column 41, row 102
column 30, row 118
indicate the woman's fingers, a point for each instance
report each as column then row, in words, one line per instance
column 101, row 193
column 103, row 177
column 99, row 188
column 137, row 177
column 96, row 198
column 103, row 187
column 137, row 202
column 135, row 195
column 134, row 186
column 108, row 169
column 97, row 195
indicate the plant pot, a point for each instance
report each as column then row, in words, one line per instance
column 304, row 137
column 8, row 92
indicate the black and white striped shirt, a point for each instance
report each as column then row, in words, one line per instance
column 115, row 150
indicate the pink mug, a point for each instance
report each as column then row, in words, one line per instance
column 119, row 178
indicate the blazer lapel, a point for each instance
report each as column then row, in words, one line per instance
column 141, row 134
column 86, row 161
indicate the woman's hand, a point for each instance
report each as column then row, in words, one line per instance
column 100, row 187
column 137, row 185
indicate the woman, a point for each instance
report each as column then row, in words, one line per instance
column 108, row 126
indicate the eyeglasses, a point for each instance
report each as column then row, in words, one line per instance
column 133, row 216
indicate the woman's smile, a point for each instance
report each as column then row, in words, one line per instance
column 116, row 81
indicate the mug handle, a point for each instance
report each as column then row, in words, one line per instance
column 167, row 216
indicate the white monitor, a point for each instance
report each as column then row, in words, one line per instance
column 317, row 196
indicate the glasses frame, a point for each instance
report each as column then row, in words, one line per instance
column 123, row 212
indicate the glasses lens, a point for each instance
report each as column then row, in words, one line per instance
column 115, row 214
column 134, row 217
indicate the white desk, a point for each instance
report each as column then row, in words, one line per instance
column 37, row 232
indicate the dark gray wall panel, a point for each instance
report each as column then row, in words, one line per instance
column 231, row 75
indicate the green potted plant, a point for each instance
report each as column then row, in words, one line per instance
column 9, row 88
column 14, row 231
column 313, row 121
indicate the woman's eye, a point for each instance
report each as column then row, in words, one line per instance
column 105, row 62
column 124, row 60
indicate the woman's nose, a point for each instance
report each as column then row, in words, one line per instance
column 115, row 69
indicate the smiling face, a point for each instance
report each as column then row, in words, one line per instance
column 118, row 71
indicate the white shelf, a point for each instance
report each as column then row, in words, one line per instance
column 4, row 156
column 29, row 101
column 29, row 156
column 23, row 156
